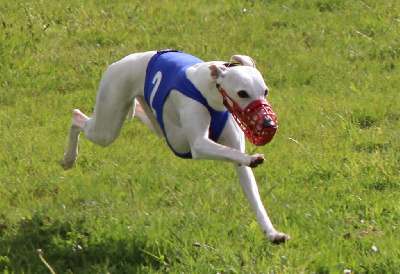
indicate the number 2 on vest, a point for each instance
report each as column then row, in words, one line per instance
column 156, row 82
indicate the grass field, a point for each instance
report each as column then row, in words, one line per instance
column 331, row 179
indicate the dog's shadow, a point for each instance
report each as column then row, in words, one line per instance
column 67, row 249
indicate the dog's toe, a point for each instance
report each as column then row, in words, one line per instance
column 280, row 238
column 258, row 160
column 67, row 163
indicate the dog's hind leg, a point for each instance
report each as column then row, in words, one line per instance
column 132, row 110
column 102, row 129
column 144, row 113
column 147, row 118
column 120, row 84
column 78, row 123
column 113, row 101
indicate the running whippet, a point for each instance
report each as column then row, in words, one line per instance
column 203, row 109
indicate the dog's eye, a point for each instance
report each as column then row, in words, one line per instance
column 266, row 92
column 243, row 94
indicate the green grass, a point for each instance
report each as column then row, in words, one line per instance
column 331, row 179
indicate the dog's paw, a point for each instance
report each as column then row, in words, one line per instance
column 68, row 162
column 256, row 160
column 280, row 238
column 277, row 237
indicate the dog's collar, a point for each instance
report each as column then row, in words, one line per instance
column 231, row 64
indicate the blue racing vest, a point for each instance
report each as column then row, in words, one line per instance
column 167, row 71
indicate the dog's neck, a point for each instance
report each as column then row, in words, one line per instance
column 201, row 78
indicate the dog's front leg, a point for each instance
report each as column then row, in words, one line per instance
column 204, row 148
column 195, row 120
column 249, row 186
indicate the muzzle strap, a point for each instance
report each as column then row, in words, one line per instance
column 258, row 121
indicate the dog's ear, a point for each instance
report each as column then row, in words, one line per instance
column 217, row 71
column 244, row 60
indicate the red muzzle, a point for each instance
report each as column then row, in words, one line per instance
column 258, row 121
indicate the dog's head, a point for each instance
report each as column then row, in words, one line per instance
column 243, row 92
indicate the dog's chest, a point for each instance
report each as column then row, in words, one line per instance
column 166, row 71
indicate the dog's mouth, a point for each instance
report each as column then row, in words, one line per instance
column 258, row 121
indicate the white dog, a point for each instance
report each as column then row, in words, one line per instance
column 185, row 100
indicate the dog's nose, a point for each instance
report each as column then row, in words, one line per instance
column 268, row 123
